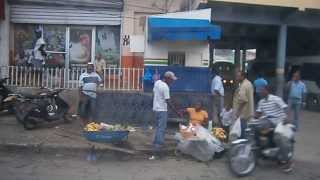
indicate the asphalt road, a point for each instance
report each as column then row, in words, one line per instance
column 43, row 167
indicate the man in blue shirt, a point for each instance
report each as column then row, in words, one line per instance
column 217, row 92
column 259, row 84
column 296, row 90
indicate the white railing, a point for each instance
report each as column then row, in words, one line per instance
column 127, row 79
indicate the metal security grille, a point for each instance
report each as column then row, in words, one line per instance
column 37, row 14
column 177, row 58
column 117, row 79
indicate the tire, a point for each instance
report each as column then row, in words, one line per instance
column 29, row 124
column 240, row 164
column 59, row 114
column 312, row 103
column 1, row 105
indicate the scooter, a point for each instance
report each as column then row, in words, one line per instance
column 7, row 98
column 47, row 106
column 244, row 153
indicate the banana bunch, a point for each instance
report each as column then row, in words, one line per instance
column 92, row 127
column 219, row 133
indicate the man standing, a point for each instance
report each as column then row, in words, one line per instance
column 259, row 83
column 100, row 65
column 217, row 92
column 88, row 82
column 296, row 91
column 161, row 97
column 39, row 52
column 243, row 101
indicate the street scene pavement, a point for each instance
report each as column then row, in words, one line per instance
column 19, row 163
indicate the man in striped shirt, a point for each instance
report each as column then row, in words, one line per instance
column 272, row 107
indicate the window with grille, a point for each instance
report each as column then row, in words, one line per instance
column 176, row 58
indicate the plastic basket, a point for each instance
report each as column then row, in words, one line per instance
column 106, row 136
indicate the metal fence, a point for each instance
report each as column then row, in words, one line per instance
column 126, row 79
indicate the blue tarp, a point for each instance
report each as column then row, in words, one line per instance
column 182, row 29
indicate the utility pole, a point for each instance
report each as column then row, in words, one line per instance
column 166, row 6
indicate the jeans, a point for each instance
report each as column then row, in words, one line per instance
column 244, row 125
column 160, row 125
column 286, row 147
column 87, row 107
column 295, row 107
column 218, row 103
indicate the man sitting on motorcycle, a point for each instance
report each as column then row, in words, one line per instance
column 271, row 111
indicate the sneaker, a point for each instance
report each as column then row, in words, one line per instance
column 152, row 158
column 287, row 167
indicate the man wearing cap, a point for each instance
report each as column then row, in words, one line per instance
column 161, row 97
column 88, row 82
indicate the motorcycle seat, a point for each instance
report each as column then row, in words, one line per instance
column 30, row 96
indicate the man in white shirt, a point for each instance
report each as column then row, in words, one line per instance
column 39, row 52
column 161, row 96
column 88, row 83
column 217, row 92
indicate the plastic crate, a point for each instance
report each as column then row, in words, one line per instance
column 106, row 136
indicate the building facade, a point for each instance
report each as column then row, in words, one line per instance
column 134, row 35
column 74, row 32
column 274, row 30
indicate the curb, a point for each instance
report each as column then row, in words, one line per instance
column 38, row 148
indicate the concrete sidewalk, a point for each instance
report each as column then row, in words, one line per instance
column 67, row 139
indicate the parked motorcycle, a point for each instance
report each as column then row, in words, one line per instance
column 244, row 153
column 7, row 98
column 47, row 106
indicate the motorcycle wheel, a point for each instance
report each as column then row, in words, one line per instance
column 1, row 105
column 57, row 114
column 29, row 124
column 241, row 163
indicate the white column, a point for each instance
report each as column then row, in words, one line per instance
column 4, row 37
column 281, row 58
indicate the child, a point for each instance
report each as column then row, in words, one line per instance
column 197, row 115
column 227, row 116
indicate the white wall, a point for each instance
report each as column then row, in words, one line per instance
column 4, row 38
column 194, row 14
column 197, row 52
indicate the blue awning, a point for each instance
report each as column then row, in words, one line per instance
column 182, row 29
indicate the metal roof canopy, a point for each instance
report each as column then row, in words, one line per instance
column 115, row 4
column 63, row 15
column 172, row 29
column 264, row 15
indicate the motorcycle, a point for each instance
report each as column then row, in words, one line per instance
column 7, row 98
column 47, row 106
column 244, row 153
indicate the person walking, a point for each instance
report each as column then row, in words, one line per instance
column 296, row 93
column 259, row 83
column 217, row 92
column 243, row 101
column 88, row 83
column 161, row 97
